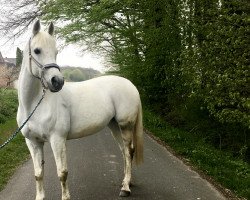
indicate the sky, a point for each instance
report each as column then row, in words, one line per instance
column 70, row 55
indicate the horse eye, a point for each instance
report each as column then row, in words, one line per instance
column 37, row 51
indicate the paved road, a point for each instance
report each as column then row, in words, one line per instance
column 95, row 172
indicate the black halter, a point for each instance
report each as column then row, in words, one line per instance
column 41, row 66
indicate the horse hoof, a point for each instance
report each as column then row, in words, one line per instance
column 124, row 193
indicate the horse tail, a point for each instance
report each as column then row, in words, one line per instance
column 138, row 137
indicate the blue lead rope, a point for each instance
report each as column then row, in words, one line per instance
column 20, row 128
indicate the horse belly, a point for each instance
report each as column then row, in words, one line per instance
column 87, row 120
column 86, row 127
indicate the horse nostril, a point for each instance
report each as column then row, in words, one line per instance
column 57, row 82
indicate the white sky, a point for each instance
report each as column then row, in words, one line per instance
column 70, row 55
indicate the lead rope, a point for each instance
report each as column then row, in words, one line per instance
column 20, row 128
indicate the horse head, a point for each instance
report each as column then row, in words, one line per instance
column 42, row 58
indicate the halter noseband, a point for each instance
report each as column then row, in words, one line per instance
column 41, row 66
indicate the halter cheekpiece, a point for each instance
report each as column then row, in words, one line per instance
column 41, row 66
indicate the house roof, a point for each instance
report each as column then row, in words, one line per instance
column 9, row 62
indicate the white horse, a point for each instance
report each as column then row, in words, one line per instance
column 73, row 110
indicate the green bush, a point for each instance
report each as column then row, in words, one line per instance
column 194, row 117
column 8, row 104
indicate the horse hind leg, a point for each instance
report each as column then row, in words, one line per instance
column 127, row 136
column 36, row 151
column 116, row 133
column 123, row 135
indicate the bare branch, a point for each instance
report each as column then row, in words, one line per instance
column 16, row 16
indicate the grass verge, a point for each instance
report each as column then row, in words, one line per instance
column 12, row 155
column 230, row 172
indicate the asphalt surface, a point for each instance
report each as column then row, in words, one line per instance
column 96, row 172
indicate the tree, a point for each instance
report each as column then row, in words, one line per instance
column 216, row 58
column 19, row 57
column 16, row 16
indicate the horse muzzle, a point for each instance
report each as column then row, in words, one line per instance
column 56, row 84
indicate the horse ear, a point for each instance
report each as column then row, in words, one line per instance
column 51, row 28
column 36, row 27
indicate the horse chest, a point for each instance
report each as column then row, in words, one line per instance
column 43, row 124
column 34, row 131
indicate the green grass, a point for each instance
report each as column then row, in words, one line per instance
column 12, row 155
column 16, row 152
column 230, row 172
column 8, row 104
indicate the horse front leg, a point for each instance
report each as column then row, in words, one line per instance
column 36, row 151
column 58, row 145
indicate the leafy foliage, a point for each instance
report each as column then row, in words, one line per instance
column 8, row 104
column 218, row 52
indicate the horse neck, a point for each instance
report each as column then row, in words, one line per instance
column 29, row 87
